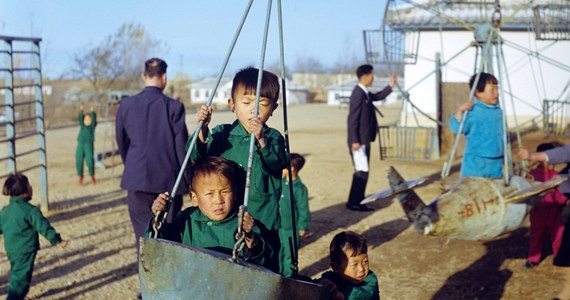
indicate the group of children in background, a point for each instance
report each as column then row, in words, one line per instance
column 218, row 171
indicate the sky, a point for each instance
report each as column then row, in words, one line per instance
column 197, row 33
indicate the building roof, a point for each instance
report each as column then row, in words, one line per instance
column 420, row 15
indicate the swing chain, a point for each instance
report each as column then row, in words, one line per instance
column 159, row 218
column 240, row 234
column 496, row 17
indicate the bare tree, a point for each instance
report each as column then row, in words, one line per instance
column 309, row 64
column 117, row 61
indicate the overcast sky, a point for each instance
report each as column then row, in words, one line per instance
column 197, row 32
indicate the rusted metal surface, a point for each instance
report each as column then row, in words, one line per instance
column 474, row 208
column 171, row 270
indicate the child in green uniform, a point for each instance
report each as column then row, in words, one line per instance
column 212, row 224
column 20, row 223
column 302, row 213
column 85, row 139
column 350, row 273
column 232, row 141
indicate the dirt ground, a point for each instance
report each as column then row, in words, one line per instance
column 100, row 261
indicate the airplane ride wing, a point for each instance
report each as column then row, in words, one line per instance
column 389, row 193
column 536, row 189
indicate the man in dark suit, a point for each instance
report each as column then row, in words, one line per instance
column 362, row 128
column 151, row 134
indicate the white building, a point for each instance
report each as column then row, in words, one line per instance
column 200, row 92
column 535, row 70
column 338, row 94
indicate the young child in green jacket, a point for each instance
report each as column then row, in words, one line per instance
column 85, row 140
column 232, row 141
column 20, row 223
column 212, row 224
column 302, row 213
column 350, row 275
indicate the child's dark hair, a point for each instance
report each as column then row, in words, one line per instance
column 484, row 78
column 248, row 78
column 218, row 165
column 544, row 146
column 347, row 241
column 297, row 161
column 363, row 70
column 155, row 67
column 16, row 185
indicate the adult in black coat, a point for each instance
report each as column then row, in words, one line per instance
column 151, row 134
column 362, row 129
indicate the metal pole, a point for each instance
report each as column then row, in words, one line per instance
column 162, row 215
column 294, row 246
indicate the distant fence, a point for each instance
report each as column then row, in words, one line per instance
column 407, row 143
column 556, row 118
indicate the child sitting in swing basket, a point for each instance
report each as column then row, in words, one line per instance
column 213, row 222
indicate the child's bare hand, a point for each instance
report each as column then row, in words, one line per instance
column 204, row 114
column 303, row 233
column 248, row 221
column 524, row 154
column 159, row 203
column 81, row 106
column 467, row 105
column 91, row 105
column 256, row 127
column 63, row 244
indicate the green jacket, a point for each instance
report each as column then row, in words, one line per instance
column 231, row 141
column 302, row 213
column 20, row 223
column 86, row 133
column 367, row 290
column 192, row 227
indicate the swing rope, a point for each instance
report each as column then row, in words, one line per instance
column 447, row 165
column 293, row 238
column 161, row 216
column 240, row 235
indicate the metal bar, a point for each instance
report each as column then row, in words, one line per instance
column 25, row 69
column 9, row 109
column 294, row 260
column 256, row 107
column 161, row 216
column 22, row 154
column 25, row 119
column 24, row 86
column 19, row 39
column 31, row 168
column 24, row 52
column 40, row 128
column 26, row 102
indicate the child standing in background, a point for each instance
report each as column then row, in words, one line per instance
column 85, row 140
column 546, row 215
column 302, row 213
column 20, row 223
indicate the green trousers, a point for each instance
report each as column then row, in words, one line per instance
column 285, row 252
column 84, row 151
column 21, row 268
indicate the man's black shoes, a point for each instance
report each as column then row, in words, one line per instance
column 358, row 207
